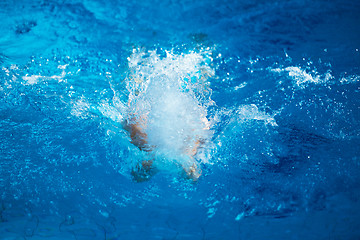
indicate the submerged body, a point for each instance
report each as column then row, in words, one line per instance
column 167, row 111
column 183, row 143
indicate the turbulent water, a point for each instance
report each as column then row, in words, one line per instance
column 270, row 88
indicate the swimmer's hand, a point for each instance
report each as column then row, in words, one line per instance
column 143, row 172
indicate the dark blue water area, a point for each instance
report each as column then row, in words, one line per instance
column 284, row 161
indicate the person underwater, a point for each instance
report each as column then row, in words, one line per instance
column 164, row 118
column 166, row 112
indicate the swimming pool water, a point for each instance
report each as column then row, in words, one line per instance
column 279, row 82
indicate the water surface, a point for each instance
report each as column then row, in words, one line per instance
column 278, row 81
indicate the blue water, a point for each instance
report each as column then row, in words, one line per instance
column 279, row 83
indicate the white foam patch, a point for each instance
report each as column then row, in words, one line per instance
column 171, row 94
column 302, row 78
column 350, row 79
column 112, row 112
column 80, row 108
column 252, row 112
column 34, row 79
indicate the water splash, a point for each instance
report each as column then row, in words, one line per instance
column 302, row 78
column 168, row 99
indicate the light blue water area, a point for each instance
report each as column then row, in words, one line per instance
column 271, row 88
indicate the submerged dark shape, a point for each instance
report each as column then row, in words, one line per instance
column 25, row 27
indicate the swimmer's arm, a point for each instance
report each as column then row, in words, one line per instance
column 137, row 135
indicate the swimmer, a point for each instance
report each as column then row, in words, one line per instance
column 166, row 114
column 142, row 172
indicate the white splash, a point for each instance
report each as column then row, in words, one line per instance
column 34, row 79
column 112, row 111
column 350, row 79
column 80, row 108
column 302, row 78
column 171, row 94
column 252, row 112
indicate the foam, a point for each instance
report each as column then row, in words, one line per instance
column 172, row 94
column 34, row 79
column 80, row 108
column 350, row 79
column 252, row 112
column 302, row 78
